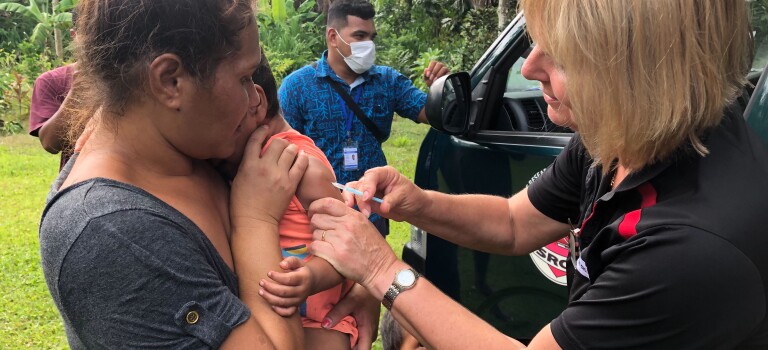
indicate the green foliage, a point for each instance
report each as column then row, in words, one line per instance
column 405, row 30
column 417, row 68
column 292, row 42
column 45, row 17
column 14, row 29
column 451, row 31
column 10, row 128
column 759, row 21
column 476, row 34
column 400, row 142
column 18, row 71
column 279, row 13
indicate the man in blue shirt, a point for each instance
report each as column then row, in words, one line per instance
column 312, row 106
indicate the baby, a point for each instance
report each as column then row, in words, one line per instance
column 311, row 284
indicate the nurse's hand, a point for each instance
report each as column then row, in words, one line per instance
column 265, row 183
column 347, row 240
column 402, row 199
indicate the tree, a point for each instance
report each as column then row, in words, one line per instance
column 505, row 11
column 50, row 22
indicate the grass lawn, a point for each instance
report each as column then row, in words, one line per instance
column 28, row 318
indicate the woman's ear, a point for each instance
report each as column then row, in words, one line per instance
column 168, row 80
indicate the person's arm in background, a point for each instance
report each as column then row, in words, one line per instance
column 47, row 116
column 260, row 194
column 434, row 71
column 53, row 133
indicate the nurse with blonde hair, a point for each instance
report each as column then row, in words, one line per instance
column 663, row 182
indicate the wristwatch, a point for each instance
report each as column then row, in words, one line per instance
column 404, row 279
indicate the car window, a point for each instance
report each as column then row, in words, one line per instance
column 515, row 80
column 497, row 49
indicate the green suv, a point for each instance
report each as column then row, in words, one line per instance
column 491, row 135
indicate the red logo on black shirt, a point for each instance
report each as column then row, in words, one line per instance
column 551, row 260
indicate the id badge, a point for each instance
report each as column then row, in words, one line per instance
column 350, row 155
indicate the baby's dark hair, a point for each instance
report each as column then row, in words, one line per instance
column 340, row 9
column 117, row 40
column 391, row 333
column 263, row 77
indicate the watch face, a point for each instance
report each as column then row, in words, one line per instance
column 406, row 278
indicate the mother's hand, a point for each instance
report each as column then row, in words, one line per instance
column 265, row 183
column 347, row 240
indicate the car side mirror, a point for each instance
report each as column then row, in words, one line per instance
column 447, row 107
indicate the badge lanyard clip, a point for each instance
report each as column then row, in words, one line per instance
column 574, row 243
column 350, row 151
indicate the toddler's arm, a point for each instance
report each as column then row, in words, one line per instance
column 316, row 184
column 298, row 280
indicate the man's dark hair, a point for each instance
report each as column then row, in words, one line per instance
column 339, row 10
column 263, row 77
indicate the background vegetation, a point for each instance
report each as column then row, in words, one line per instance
column 34, row 38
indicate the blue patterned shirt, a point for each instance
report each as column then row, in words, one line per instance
column 314, row 109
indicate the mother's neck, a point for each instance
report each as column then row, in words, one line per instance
column 134, row 145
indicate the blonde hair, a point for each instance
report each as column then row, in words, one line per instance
column 645, row 76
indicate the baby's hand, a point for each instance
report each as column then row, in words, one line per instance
column 288, row 289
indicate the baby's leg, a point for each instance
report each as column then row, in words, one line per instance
column 321, row 339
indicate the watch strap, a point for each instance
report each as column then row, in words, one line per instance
column 395, row 289
column 389, row 296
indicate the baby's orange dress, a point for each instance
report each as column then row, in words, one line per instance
column 295, row 238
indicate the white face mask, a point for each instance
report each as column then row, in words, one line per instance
column 362, row 57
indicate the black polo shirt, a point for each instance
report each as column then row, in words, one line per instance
column 675, row 257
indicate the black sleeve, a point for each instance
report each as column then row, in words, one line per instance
column 667, row 291
column 138, row 280
column 556, row 193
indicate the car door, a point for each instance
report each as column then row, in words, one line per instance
column 509, row 140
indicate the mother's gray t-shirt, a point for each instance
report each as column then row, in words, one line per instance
column 126, row 270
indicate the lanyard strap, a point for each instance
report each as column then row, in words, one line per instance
column 358, row 112
column 348, row 113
